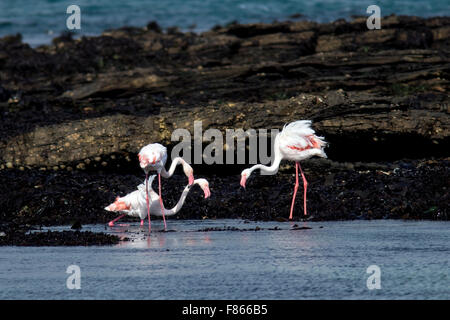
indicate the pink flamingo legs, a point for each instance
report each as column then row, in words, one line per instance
column 161, row 201
column 305, row 186
column 111, row 223
column 148, row 206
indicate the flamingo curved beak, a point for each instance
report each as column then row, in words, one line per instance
column 207, row 192
column 191, row 179
column 108, row 208
column 142, row 164
column 243, row 181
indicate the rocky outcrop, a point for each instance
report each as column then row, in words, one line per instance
column 75, row 113
column 81, row 100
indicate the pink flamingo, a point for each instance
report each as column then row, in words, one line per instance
column 297, row 141
column 154, row 157
column 135, row 203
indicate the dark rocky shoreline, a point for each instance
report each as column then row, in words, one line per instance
column 58, row 238
column 74, row 115
column 401, row 190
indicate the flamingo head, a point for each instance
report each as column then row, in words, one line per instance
column 244, row 175
column 118, row 205
column 142, row 161
column 147, row 160
column 204, row 184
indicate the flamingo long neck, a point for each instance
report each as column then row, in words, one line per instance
column 272, row 169
column 180, row 203
column 175, row 162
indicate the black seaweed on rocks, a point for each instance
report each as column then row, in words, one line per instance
column 415, row 189
column 60, row 238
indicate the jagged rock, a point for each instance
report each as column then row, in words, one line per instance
column 118, row 91
column 75, row 113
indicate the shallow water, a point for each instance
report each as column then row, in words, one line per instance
column 318, row 263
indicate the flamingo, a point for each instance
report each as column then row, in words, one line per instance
column 135, row 203
column 154, row 157
column 297, row 141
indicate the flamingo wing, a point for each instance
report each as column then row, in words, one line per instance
column 298, row 137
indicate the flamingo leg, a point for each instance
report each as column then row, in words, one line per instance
column 295, row 190
column 142, row 222
column 111, row 223
column 148, row 206
column 305, row 186
column 161, row 202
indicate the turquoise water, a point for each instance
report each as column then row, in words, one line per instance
column 329, row 261
column 41, row 20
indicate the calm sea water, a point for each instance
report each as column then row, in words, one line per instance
column 319, row 263
column 39, row 21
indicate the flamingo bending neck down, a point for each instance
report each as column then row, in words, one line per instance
column 297, row 141
column 134, row 204
column 153, row 157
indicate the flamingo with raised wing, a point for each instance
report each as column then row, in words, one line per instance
column 296, row 142
column 134, row 204
column 153, row 157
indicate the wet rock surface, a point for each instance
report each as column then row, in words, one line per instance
column 384, row 92
column 404, row 189
column 58, row 238
column 74, row 115
column 400, row 190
